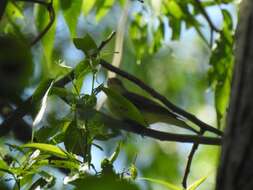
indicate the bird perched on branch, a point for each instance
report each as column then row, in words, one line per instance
column 151, row 111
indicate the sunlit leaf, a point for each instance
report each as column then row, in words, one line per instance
column 220, row 74
column 170, row 186
column 115, row 153
column 133, row 171
column 42, row 110
column 174, row 9
column 71, row 15
column 87, row 6
column 4, row 168
column 82, row 69
column 196, row 184
column 104, row 8
column 41, row 89
column 102, row 183
column 42, row 20
column 48, row 148
column 14, row 11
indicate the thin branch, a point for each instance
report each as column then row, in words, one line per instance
column 161, row 98
column 189, row 162
column 51, row 13
column 159, row 135
column 163, row 136
column 106, row 41
column 208, row 19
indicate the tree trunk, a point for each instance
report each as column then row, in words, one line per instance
column 236, row 166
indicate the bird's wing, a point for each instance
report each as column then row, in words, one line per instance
column 149, row 108
column 143, row 103
column 122, row 107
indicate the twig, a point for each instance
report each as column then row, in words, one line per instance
column 104, row 42
column 161, row 98
column 208, row 19
column 189, row 162
column 163, row 136
column 148, row 132
column 51, row 12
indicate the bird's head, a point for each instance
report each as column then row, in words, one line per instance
column 116, row 85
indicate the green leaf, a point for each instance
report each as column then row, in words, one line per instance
column 86, row 44
column 71, row 15
column 64, row 94
column 68, row 164
column 42, row 20
column 48, row 148
column 115, row 153
column 75, row 140
column 222, row 92
column 13, row 11
column 170, row 186
column 196, row 184
column 87, row 6
column 82, row 69
column 174, row 9
column 66, row 4
column 104, row 8
column 41, row 90
column 139, row 31
column 102, row 183
column 59, row 69
column 227, row 19
column 42, row 110
column 175, row 24
column 220, row 73
column 133, row 171
column 80, row 72
column 4, row 167
column 53, row 132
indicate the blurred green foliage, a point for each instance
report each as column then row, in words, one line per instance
column 168, row 44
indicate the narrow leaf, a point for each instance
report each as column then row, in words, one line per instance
column 86, row 44
column 170, row 186
column 197, row 183
column 87, row 6
column 49, row 148
column 40, row 114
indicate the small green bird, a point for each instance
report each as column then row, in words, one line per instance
column 151, row 111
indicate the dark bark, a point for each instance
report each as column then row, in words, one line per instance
column 3, row 4
column 236, row 166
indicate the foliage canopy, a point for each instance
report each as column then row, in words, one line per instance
column 70, row 50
